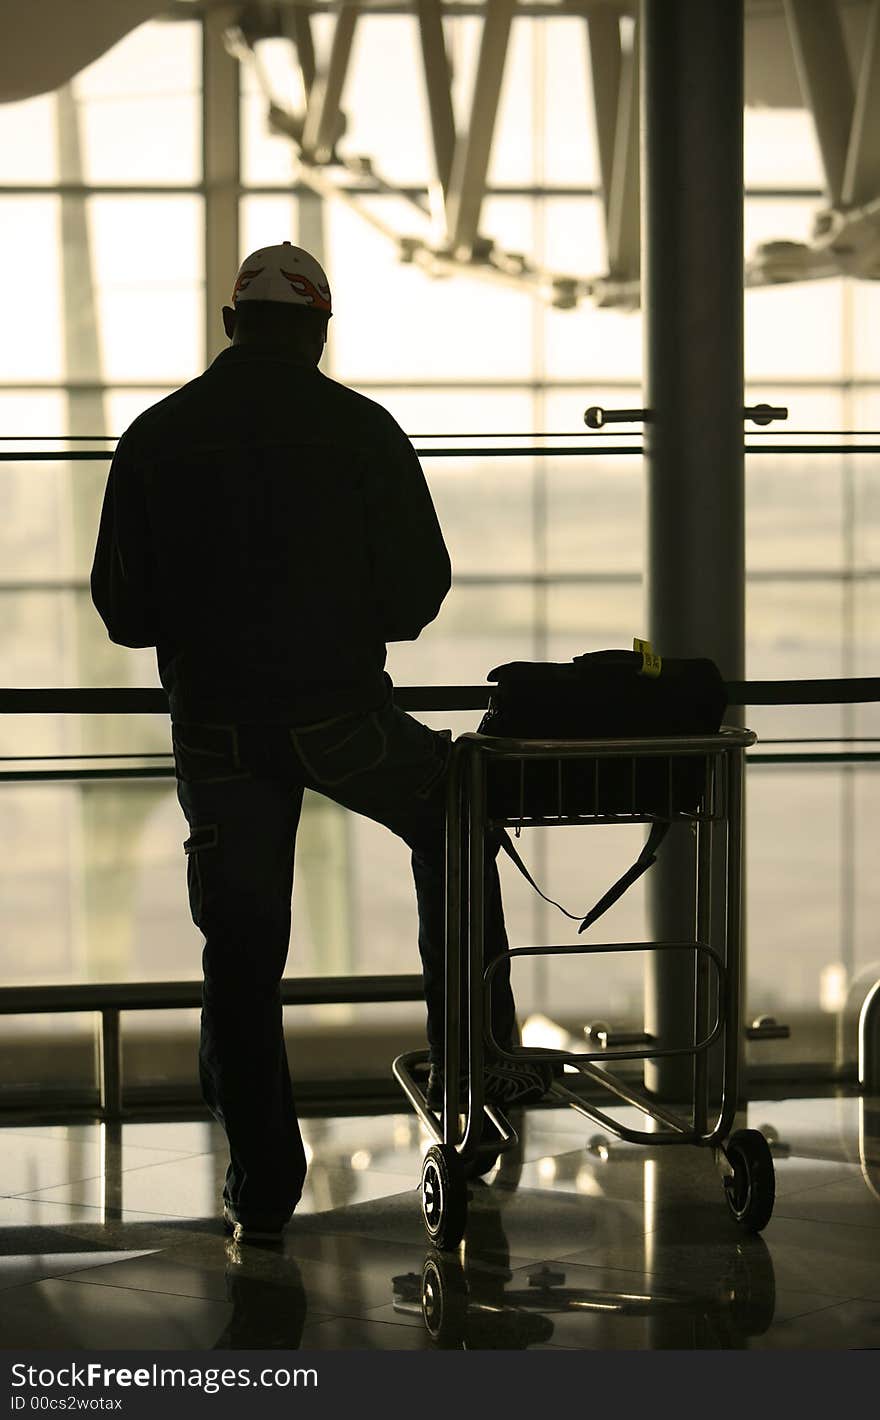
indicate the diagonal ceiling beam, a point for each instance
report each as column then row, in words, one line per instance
column 470, row 164
column 861, row 178
column 322, row 124
column 623, row 197
column 603, row 30
column 298, row 23
column 826, row 82
column 438, row 83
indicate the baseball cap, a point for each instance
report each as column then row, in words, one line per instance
column 282, row 273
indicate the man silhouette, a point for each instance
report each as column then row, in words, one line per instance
column 269, row 531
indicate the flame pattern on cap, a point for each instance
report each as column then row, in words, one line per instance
column 316, row 296
column 244, row 279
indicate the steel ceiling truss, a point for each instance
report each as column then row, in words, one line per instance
column 846, row 116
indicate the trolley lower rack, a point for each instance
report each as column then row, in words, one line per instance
column 470, row 1136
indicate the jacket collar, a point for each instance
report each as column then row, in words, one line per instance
column 262, row 355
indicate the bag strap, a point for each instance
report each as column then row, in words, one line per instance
column 645, row 860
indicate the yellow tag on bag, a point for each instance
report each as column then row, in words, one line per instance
column 651, row 663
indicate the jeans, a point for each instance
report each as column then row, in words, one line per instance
column 241, row 789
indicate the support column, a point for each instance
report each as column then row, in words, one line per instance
column 692, row 299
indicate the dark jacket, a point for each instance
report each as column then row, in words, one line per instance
column 268, row 531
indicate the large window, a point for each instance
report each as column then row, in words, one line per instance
column 102, row 220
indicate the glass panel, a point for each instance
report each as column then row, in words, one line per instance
column 387, row 59
column 573, row 232
column 592, row 343
column 864, row 886
column 390, row 317
column 510, row 222
column 92, row 880
column 92, row 884
column 864, row 309
column 28, row 144
column 780, row 149
column 569, row 150
column 774, row 219
column 161, row 1047
column 268, row 158
column 348, row 1043
column 460, row 411
column 123, row 406
column 148, row 83
column 26, row 413
column 794, row 330
column 515, row 142
column 52, row 1049
column 265, row 221
column 149, row 273
column 30, row 242
column 865, row 404
column 485, row 508
column 597, row 617
column 576, row 866
column 863, row 656
column 795, row 632
column 33, row 639
column 794, row 899
column 794, row 516
column 478, row 628
column 595, row 515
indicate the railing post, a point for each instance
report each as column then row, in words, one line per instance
column 110, row 1064
column 869, row 1042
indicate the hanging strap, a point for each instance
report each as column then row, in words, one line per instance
column 646, row 858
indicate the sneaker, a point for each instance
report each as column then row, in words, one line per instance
column 434, row 1088
column 265, row 1229
column 505, row 1082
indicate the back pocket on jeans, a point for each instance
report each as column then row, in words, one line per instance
column 335, row 752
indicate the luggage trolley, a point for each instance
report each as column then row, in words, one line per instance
column 497, row 782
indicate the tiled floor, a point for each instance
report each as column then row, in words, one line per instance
column 111, row 1239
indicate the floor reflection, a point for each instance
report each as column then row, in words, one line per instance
column 111, row 1236
column 267, row 1310
column 472, row 1300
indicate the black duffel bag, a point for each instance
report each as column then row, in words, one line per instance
column 607, row 695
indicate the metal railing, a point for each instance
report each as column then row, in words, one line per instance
column 110, row 1000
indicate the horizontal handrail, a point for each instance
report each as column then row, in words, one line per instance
column 76, row 776
column 606, row 578
column 179, row 995
column 130, row 701
column 493, row 434
column 559, row 451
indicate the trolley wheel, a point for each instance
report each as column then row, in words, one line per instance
column 444, row 1196
column 751, row 1189
column 444, row 1301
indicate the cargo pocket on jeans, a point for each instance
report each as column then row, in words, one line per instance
column 200, row 841
column 206, row 754
column 335, row 752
